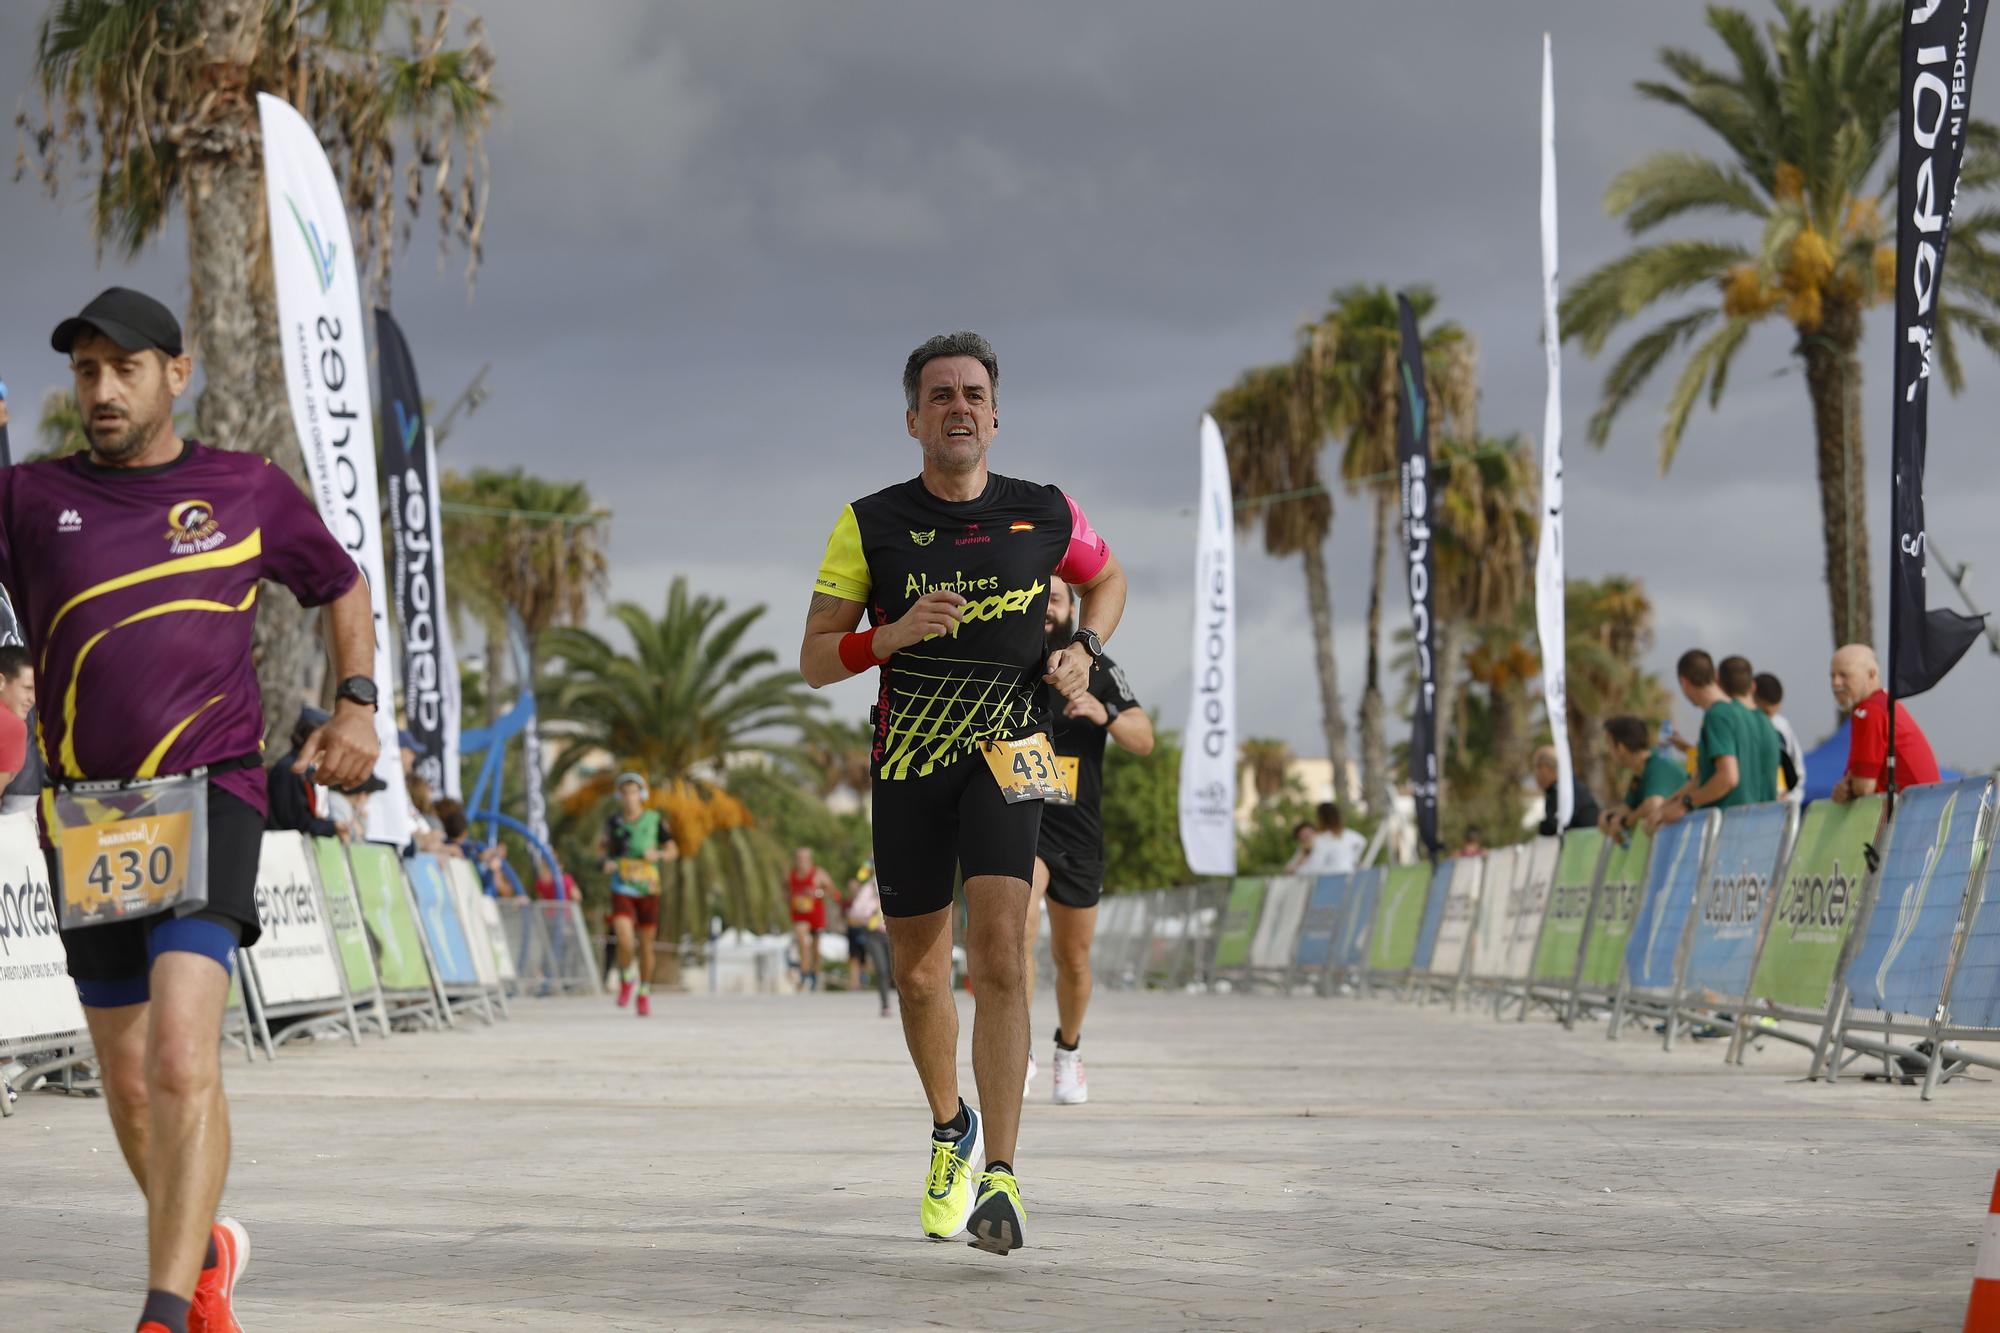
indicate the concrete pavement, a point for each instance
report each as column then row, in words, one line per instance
column 1246, row 1162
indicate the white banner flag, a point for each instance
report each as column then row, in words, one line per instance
column 1208, row 758
column 326, row 371
column 1549, row 579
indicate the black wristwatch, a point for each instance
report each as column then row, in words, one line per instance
column 360, row 690
column 1091, row 643
column 1111, row 712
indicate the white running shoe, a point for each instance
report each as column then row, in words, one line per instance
column 1028, row 1088
column 1071, row 1088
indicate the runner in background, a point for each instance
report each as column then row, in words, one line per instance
column 1069, row 863
column 635, row 845
column 866, row 940
column 806, row 886
column 146, row 555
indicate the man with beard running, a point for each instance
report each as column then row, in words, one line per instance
column 953, row 569
column 1069, row 866
column 144, row 558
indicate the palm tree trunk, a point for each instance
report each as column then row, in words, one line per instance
column 1319, row 599
column 1586, row 748
column 1374, row 729
column 1452, row 641
column 232, row 319
column 1507, row 703
column 1833, row 378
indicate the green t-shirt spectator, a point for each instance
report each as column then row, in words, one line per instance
column 1663, row 775
column 1760, row 774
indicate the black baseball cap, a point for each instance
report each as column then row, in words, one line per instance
column 133, row 320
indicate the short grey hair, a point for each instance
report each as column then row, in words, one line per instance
column 963, row 343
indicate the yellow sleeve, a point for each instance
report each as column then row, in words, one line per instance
column 844, row 572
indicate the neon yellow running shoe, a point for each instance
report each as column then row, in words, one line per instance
column 948, row 1193
column 999, row 1223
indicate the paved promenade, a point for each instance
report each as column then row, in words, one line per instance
column 1248, row 1162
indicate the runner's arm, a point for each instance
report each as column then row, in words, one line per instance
column 342, row 753
column 1103, row 607
column 831, row 619
column 1133, row 731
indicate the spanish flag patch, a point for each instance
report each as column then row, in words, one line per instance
column 1020, row 527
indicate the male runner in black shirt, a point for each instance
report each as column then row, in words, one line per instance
column 953, row 569
column 1069, row 867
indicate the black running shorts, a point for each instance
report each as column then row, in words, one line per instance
column 117, row 951
column 952, row 819
column 1074, row 881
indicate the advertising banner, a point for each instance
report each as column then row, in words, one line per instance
column 1319, row 930
column 1938, row 836
column 1621, row 893
column 1671, row 884
column 1239, row 923
column 293, row 957
column 1748, row 843
column 1500, row 886
column 1208, row 750
column 1549, row 578
column 1399, row 918
column 1278, row 926
column 1530, row 905
column 468, row 893
column 1434, row 898
column 1357, row 926
column 37, row 997
column 1569, row 906
column 343, row 912
column 1974, row 1000
column 437, row 910
column 1817, row 904
column 1415, row 485
column 390, row 916
column 1461, row 905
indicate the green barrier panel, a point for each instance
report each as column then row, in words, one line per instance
column 1239, row 923
column 1569, row 904
column 1817, row 905
column 1619, row 899
column 344, row 912
column 1399, row 918
column 385, row 905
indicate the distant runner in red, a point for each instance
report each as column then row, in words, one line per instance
column 1857, row 685
column 807, row 885
column 136, row 568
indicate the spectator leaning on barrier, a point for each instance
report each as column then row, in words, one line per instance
column 1738, row 680
column 1770, row 695
column 17, row 700
column 1305, row 837
column 1584, row 812
column 1730, row 765
column 1337, row 848
column 1657, row 775
column 294, row 800
column 1857, row 685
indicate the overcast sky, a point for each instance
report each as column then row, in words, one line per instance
column 716, row 232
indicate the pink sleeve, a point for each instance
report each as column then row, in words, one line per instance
column 1087, row 553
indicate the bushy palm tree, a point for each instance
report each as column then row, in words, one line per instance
column 1270, row 762
column 157, row 104
column 683, row 702
column 1273, row 443
column 1609, row 627
column 1805, row 109
column 516, row 541
column 1483, row 543
column 1349, row 358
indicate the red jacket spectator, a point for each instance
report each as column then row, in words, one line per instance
column 1857, row 685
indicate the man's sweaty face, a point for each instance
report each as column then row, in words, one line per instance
column 955, row 417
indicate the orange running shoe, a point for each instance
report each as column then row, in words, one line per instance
column 213, row 1310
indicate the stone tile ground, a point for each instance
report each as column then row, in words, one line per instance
column 1248, row 1162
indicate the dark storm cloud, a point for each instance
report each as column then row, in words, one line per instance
column 716, row 231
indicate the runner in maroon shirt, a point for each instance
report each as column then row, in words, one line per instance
column 136, row 570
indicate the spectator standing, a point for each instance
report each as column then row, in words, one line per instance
column 1857, row 686
column 1656, row 775
column 1731, row 765
column 1305, row 837
column 1770, row 696
column 1738, row 680
column 1474, row 845
column 17, row 699
column 1583, row 812
column 295, row 801
column 1336, row 848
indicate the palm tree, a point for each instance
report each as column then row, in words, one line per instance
column 61, row 427
column 514, row 540
column 685, row 701
column 1609, row 627
column 1273, row 445
column 1269, row 761
column 1482, row 543
column 835, row 756
column 1350, row 356
column 1805, row 112
column 159, row 102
